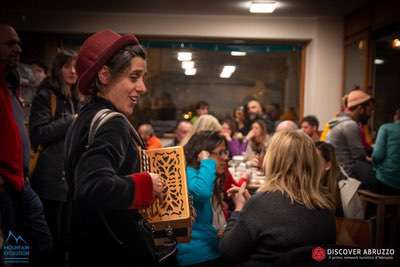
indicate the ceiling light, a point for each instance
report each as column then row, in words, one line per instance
column 229, row 69
column 238, row 53
column 187, row 64
column 190, row 72
column 184, row 56
column 396, row 43
column 379, row 61
column 263, row 7
column 225, row 75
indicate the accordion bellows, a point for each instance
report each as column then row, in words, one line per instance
column 170, row 217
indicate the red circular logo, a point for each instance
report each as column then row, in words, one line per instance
column 318, row 254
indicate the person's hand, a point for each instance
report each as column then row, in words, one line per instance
column 250, row 135
column 158, row 185
column 369, row 159
column 226, row 135
column 239, row 196
column 253, row 162
column 203, row 155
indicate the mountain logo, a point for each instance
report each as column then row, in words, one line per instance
column 15, row 250
column 16, row 239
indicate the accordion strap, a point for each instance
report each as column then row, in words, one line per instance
column 99, row 119
column 104, row 115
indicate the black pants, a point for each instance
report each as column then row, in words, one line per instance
column 363, row 171
column 56, row 217
column 383, row 189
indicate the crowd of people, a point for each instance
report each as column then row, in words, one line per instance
column 77, row 202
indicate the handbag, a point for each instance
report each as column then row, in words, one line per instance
column 353, row 208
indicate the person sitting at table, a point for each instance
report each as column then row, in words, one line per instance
column 331, row 173
column 146, row 132
column 183, row 128
column 287, row 125
column 236, row 144
column 205, row 122
column 206, row 159
column 386, row 158
column 210, row 123
column 257, row 140
column 289, row 211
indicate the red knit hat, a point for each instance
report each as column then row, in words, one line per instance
column 95, row 52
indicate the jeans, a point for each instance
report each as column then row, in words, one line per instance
column 34, row 221
column 22, row 214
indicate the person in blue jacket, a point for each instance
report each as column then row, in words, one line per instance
column 206, row 157
column 386, row 157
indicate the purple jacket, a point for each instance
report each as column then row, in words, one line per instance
column 236, row 147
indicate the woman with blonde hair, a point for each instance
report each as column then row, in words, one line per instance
column 205, row 122
column 290, row 211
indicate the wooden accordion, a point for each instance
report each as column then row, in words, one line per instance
column 171, row 217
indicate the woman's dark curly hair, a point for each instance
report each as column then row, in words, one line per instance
column 204, row 140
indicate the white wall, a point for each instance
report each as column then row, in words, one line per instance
column 324, row 56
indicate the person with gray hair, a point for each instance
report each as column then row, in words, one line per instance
column 183, row 128
column 146, row 131
column 287, row 125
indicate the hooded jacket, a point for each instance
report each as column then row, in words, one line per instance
column 345, row 136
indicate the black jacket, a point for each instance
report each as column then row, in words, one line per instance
column 104, row 229
column 48, row 179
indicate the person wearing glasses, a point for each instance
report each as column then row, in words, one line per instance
column 206, row 158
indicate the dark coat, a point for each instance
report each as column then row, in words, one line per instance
column 48, row 179
column 104, row 228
